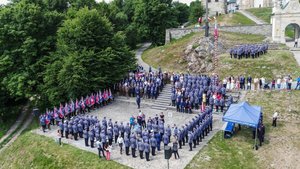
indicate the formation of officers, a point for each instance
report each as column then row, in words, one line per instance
column 248, row 51
column 144, row 139
column 142, row 84
column 71, row 108
column 190, row 92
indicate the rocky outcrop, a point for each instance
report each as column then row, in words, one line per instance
column 199, row 55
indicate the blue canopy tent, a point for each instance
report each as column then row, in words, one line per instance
column 244, row 114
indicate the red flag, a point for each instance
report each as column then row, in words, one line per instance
column 200, row 20
column 76, row 104
column 92, row 98
column 97, row 98
column 216, row 33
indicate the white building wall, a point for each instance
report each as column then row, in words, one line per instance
column 258, row 3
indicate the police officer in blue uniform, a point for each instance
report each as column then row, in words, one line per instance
column 147, row 150
column 127, row 144
column 141, row 148
column 133, row 146
column 86, row 137
column 153, row 143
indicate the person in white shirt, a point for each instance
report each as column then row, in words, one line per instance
column 225, row 83
column 278, row 83
column 263, row 81
column 120, row 141
column 275, row 116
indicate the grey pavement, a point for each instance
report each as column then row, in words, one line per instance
column 295, row 51
column 121, row 111
column 252, row 17
column 138, row 55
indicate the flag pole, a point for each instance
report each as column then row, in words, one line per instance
column 216, row 44
column 206, row 19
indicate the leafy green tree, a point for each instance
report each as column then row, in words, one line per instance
column 153, row 17
column 77, row 4
column 28, row 33
column 196, row 11
column 182, row 12
column 89, row 52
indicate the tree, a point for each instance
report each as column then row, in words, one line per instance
column 88, row 52
column 182, row 12
column 196, row 11
column 28, row 33
column 153, row 17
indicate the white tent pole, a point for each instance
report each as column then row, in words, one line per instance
column 255, row 138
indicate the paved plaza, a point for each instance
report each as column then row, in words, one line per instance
column 121, row 111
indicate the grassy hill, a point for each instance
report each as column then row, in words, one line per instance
column 169, row 56
column 35, row 151
column 234, row 19
column 230, row 20
column 276, row 62
column 262, row 13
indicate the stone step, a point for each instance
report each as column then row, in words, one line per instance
column 159, row 108
column 162, row 103
column 164, row 98
column 165, row 94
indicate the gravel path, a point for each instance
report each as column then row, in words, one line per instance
column 252, row 17
column 139, row 53
column 295, row 51
column 121, row 111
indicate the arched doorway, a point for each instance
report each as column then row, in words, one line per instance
column 291, row 32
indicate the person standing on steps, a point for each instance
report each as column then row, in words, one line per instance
column 296, row 43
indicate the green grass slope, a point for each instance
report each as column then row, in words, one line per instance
column 275, row 62
column 234, row 19
column 169, row 56
column 262, row 13
column 35, row 151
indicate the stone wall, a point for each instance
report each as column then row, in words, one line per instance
column 214, row 7
column 265, row 29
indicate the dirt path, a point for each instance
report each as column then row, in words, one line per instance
column 15, row 125
column 25, row 125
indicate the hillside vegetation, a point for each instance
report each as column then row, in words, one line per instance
column 35, row 151
column 170, row 55
column 234, row 19
column 231, row 19
column 262, row 13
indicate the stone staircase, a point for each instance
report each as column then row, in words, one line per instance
column 163, row 101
